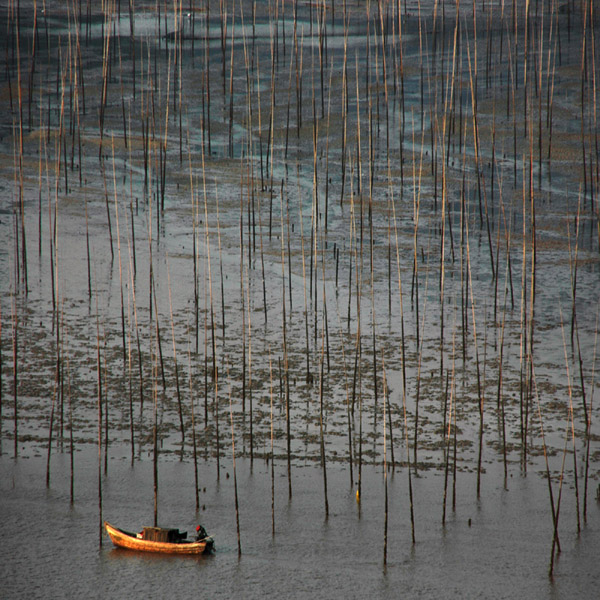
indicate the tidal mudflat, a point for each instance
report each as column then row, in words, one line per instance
column 324, row 275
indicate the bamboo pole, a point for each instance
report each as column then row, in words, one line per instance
column 272, row 457
column 235, row 486
column 155, row 434
column 385, row 464
column 321, row 414
column 1, row 384
column 15, row 386
column 571, row 428
column 193, row 425
column 179, row 403
column 589, row 422
column 99, row 412
column 71, row 426
column 285, row 351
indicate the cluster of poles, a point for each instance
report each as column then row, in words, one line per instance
column 362, row 188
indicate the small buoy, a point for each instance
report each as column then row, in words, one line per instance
column 357, row 496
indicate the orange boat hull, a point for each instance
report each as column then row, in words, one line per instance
column 124, row 539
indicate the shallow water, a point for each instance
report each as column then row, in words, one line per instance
column 497, row 547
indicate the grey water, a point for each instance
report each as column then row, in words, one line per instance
column 496, row 547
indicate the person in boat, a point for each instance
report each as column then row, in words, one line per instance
column 200, row 533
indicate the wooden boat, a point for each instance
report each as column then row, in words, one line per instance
column 158, row 539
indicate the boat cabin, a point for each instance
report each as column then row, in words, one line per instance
column 163, row 534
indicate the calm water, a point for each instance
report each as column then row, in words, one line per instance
column 51, row 550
